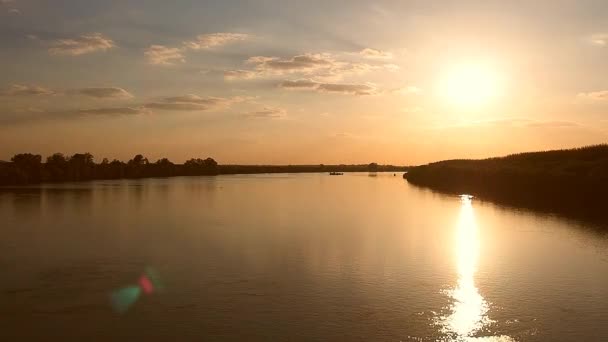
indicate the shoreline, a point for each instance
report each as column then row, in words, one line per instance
column 180, row 170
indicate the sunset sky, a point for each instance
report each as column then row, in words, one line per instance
column 280, row 82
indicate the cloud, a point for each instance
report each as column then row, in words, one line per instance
column 239, row 74
column 519, row 122
column 408, row 90
column 598, row 39
column 105, row 93
column 26, row 90
column 172, row 103
column 268, row 112
column 86, row 43
column 192, row 102
column 553, row 123
column 321, row 66
column 412, row 109
column 9, row 4
column 594, row 95
column 30, row 114
column 350, row 89
column 373, row 53
column 112, row 111
column 342, row 135
column 299, row 84
column 164, row 55
column 207, row 41
column 391, row 67
column 301, row 63
column 167, row 55
column 97, row 92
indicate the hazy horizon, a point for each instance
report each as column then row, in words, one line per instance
column 285, row 82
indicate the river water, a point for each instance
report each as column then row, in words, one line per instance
column 292, row 257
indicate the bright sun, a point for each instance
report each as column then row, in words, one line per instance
column 469, row 86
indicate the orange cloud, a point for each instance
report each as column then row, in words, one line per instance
column 84, row 44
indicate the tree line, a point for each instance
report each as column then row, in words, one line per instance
column 28, row 168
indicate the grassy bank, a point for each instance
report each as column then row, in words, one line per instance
column 573, row 181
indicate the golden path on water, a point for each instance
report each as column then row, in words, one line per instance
column 468, row 313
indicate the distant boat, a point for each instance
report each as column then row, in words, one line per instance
column 336, row 173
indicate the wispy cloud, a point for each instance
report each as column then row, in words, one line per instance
column 104, row 92
column 412, row 109
column 164, row 55
column 268, row 112
column 299, row 84
column 96, row 92
column 553, row 123
column 26, row 90
column 17, row 115
column 302, row 63
column 407, row 90
column 112, row 111
column 86, row 43
column 352, row 89
column 239, row 74
column 594, row 95
column 211, row 40
column 518, row 122
column 183, row 103
column 321, row 66
column 342, row 88
column 374, row 53
column 167, row 55
column 598, row 39
column 192, row 102
column 343, row 135
column 10, row 4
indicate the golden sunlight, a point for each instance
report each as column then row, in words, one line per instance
column 470, row 85
column 469, row 309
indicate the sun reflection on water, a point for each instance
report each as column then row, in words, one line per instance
column 468, row 312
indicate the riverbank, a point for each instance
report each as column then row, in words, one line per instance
column 572, row 182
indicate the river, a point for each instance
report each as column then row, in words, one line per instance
column 292, row 257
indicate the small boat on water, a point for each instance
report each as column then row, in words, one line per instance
column 336, row 173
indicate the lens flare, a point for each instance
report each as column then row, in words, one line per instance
column 123, row 299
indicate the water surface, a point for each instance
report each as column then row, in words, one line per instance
column 306, row 257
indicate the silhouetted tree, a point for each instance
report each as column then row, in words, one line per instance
column 28, row 167
column 81, row 166
column 56, row 168
column 136, row 166
column 197, row 166
column 163, row 168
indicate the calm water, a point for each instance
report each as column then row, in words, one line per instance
column 306, row 257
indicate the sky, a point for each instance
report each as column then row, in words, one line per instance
column 302, row 82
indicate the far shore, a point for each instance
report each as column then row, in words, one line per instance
column 28, row 169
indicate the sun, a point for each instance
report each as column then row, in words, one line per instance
column 470, row 85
